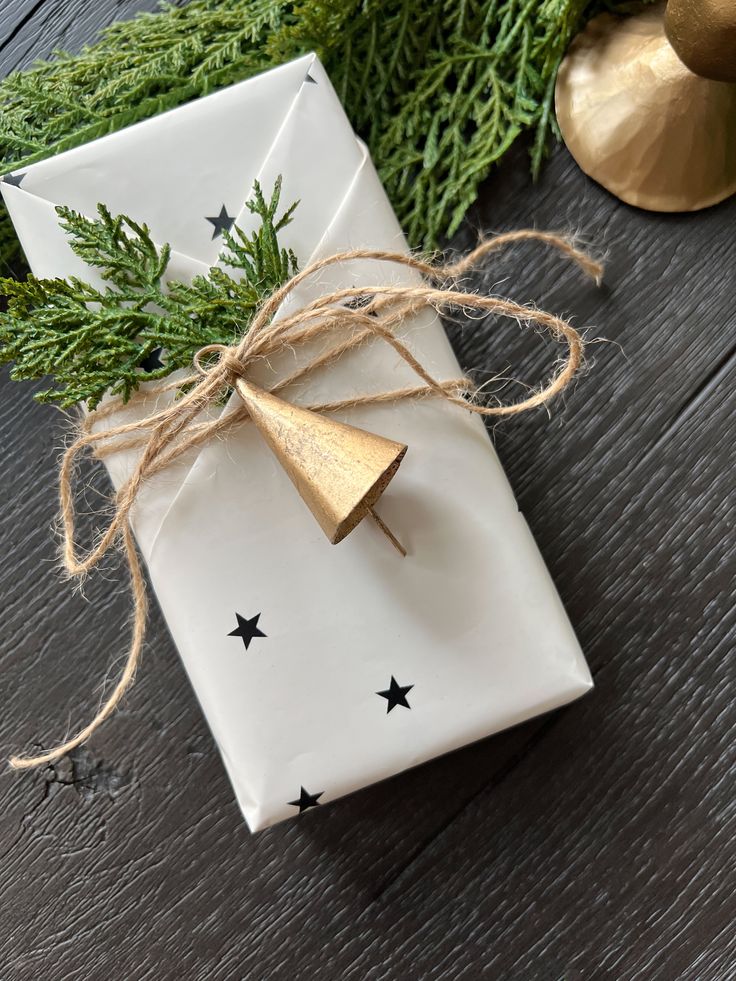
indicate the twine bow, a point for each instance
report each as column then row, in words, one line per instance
column 354, row 315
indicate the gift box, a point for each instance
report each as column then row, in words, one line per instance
column 320, row 668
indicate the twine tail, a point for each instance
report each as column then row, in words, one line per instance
column 590, row 266
column 138, row 585
column 77, row 567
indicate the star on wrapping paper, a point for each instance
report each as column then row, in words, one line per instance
column 222, row 222
column 247, row 629
column 304, row 801
column 358, row 302
column 14, row 179
column 152, row 361
column 395, row 695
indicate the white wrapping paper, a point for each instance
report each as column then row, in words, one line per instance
column 468, row 626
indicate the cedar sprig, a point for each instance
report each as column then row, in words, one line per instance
column 93, row 340
column 439, row 90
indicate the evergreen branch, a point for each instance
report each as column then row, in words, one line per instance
column 439, row 91
column 94, row 340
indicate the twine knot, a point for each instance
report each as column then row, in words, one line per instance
column 229, row 361
column 354, row 316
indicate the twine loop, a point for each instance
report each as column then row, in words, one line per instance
column 203, row 370
column 354, row 315
column 228, row 361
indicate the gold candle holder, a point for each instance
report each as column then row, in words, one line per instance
column 647, row 104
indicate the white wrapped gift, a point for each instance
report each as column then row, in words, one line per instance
column 320, row 668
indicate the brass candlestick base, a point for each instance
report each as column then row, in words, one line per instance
column 641, row 123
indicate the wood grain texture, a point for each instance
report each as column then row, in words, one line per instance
column 596, row 843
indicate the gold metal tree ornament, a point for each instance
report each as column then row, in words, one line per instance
column 647, row 104
column 340, row 471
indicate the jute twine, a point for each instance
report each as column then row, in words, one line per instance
column 354, row 316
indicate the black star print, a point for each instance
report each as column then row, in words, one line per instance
column 358, row 302
column 13, row 179
column 305, row 800
column 247, row 629
column 152, row 361
column 310, row 79
column 396, row 694
column 222, row 222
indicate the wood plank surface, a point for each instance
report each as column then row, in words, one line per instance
column 595, row 843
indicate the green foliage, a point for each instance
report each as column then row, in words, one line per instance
column 94, row 340
column 440, row 89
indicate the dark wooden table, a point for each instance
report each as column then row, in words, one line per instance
column 594, row 843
